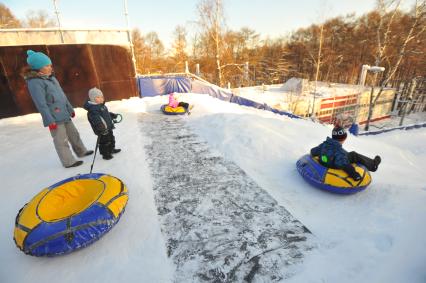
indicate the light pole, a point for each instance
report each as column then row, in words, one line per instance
column 59, row 21
column 314, row 93
column 375, row 70
column 129, row 37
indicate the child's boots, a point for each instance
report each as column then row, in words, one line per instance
column 377, row 161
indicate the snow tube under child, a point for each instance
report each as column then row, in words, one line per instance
column 173, row 111
column 332, row 180
column 70, row 214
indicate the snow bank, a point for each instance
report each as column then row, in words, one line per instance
column 377, row 235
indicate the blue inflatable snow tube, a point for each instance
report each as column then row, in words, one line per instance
column 70, row 214
column 332, row 180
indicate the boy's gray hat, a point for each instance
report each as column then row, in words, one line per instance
column 94, row 92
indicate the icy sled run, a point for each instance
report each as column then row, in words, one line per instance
column 219, row 225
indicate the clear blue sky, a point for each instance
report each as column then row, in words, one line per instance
column 268, row 17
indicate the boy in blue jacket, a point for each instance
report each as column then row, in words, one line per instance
column 332, row 155
column 101, row 121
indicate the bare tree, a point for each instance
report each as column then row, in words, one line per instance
column 417, row 27
column 318, row 64
column 383, row 37
column 149, row 52
column 153, row 42
column 39, row 19
column 211, row 21
column 179, row 47
column 251, row 38
column 139, row 47
column 7, row 19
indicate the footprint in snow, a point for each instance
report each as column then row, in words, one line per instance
column 383, row 242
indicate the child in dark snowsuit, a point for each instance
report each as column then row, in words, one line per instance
column 332, row 155
column 101, row 121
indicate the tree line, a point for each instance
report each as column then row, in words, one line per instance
column 386, row 36
column 333, row 50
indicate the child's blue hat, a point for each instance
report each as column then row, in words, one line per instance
column 37, row 60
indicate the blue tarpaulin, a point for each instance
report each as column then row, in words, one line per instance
column 247, row 102
column 206, row 88
column 409, row 127
column 250, row 103
column 161, row 85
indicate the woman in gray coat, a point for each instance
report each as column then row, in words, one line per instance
column 55, row 109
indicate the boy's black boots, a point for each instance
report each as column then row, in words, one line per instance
column 377, row 161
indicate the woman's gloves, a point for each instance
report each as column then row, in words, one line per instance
column 53, row 126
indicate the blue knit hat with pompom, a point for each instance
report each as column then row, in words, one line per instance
column 37, row 60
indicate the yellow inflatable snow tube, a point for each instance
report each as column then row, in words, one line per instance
column 173, row 111
column 333, row 180
column 70, row 214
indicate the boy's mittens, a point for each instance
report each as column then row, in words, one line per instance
column 116, row 118
column 53, row 126
column 350, row 170
column 356, row 176
column 72, row 114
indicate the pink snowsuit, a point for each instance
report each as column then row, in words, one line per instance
column 172, row 101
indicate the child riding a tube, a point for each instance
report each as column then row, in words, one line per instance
column 332, row 155
column 174, row 103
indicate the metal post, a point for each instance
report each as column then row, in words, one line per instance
column 313, row 103
column 370, row 108
column 408, row 101
column 404, row 111
column 246, row 73
column 363, row 75
column 197, row 69
column 395, row 106
column 129, row 37
column 411, row 95
column 59, row 21
column 358, row 101
column 375, row 70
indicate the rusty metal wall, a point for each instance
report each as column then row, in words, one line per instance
column 78, row 67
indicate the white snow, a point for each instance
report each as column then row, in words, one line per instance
column 414, row 118
column 377, row 235
column 296, row 93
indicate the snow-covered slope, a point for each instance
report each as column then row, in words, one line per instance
column 377, row 235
